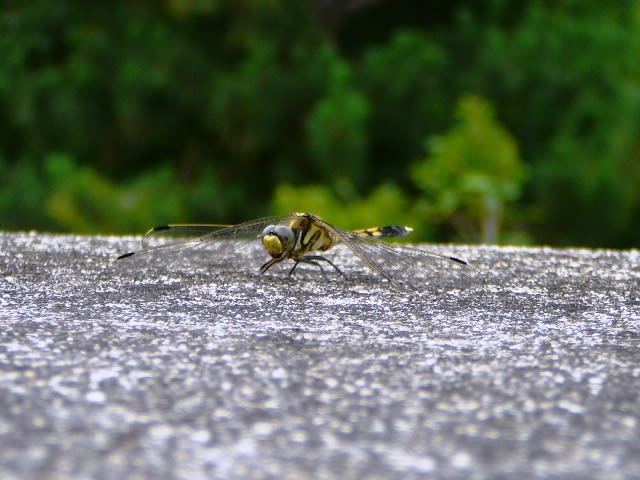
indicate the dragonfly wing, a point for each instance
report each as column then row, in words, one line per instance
column 172, row 237
column 177, row 235
column 247, row 230
column 403, row 265
column 355, row 241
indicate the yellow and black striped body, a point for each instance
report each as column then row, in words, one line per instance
column 384, row 232
column 310, row 235
column 305, row 233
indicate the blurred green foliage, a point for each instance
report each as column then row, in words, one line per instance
column 496, row 121
column 471, row 172
column 79, row 196
column 384, row 202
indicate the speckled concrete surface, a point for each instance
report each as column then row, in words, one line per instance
column 194, row 366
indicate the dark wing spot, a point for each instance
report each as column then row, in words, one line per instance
column 125, row 255
column 457, row 260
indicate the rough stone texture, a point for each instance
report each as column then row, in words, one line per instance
column 193, row 366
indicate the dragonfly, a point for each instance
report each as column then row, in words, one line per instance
column 303, row 238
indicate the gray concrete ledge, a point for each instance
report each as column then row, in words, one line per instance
column 191, row 365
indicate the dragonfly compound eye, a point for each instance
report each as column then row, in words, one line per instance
column 277, row 239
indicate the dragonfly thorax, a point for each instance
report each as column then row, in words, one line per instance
column 277, row 239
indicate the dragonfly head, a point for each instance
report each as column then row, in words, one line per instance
column 277, row 239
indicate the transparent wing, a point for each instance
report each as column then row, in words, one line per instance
column 167, row 238
column 402, row 265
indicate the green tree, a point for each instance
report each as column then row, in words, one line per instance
column 336, row 129
column 565, row 80
column 471, row 172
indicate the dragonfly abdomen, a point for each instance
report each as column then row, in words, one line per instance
column 385, row 231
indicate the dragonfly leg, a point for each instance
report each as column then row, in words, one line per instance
column 270, row 264
column 313, row 259
column 293, row 269
column 310, row 261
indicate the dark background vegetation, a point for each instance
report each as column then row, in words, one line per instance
column 498, row 121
